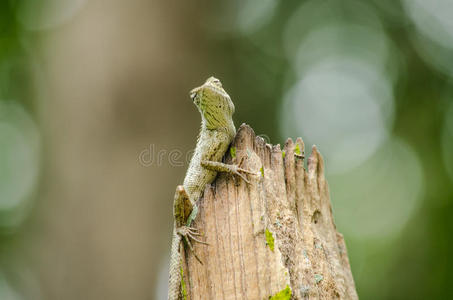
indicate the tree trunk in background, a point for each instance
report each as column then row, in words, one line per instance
column 273, row 237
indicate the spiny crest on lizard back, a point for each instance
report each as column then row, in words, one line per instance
column 214, row 104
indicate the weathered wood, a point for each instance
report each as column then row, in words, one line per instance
column 272, row 235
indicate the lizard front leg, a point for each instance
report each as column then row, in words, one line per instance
column 222, row 167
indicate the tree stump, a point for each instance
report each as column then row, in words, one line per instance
column 273, row 238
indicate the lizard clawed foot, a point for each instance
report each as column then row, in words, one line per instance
column 188, row 234
column 239, row 171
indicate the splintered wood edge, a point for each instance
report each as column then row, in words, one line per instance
column 288, row 206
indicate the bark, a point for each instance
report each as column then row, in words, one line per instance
column 274, row 237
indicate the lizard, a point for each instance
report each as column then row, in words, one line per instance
column 216, row 133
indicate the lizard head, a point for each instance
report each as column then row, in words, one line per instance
column 214, row 104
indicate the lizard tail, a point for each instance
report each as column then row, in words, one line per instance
column 174, row 280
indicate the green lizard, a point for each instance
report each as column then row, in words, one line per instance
column 217, row 132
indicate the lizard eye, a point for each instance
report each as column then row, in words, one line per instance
column 217, row 82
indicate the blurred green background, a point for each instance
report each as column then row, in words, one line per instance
column 94, row 101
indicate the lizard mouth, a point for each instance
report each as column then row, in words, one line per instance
column 193, row 93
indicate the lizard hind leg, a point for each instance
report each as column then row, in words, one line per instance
column 184, row 211
column 182, row 206
column 188, row 234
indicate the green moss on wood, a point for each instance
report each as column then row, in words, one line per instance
column 297, row 150
column 269, row 239
column 284, row 294
column 233, row 152
column 183, row 286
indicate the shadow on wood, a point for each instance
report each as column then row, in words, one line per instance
column 274, row 236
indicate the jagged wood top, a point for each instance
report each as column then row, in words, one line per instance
column 274, row 235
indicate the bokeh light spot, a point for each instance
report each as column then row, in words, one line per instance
column 253, row 14
column 434, row 37
column 19, row 162
column 316, row 14
column 343, row 96
column 433, row 19
column 47, row 14
column 339, row 104
column 7, row 292
column 377, row 198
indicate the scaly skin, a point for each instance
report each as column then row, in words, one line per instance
column 216, row 134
